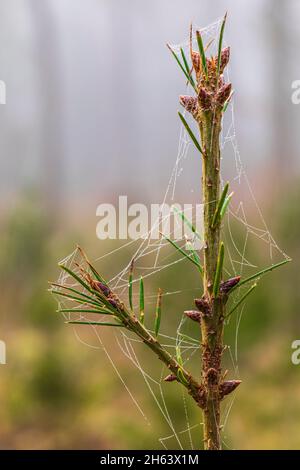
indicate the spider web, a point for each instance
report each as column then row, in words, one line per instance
column 153, row 257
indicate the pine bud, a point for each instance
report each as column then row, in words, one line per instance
column 190, row 103
column 170, row 378
column 228, row 386
column 193, row 315
column 103, row 288
column 196, row 61
column 211, row 65
column 221, row 81
column 203, row 306
column 225, row 54
column 113, row 303
column 226, row 286
column 223, row 94
column 205, row 99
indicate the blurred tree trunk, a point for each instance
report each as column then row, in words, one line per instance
column 282, row 145
column 50, row 84
column 123, row 86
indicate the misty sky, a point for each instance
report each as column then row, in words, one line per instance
column 92, row 91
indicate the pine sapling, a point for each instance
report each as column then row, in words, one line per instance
column 207, row 105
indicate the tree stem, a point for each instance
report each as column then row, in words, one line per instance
column 212, row 324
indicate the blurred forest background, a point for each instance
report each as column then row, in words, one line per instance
column 91, row 114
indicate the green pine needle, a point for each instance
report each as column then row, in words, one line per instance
column 219, row 269
column 181, row 377
column 186, row 221
column 84, row 310
column 186, row 65
column 241, row 300
column 142, row 301
column 94, row 323
column 194, row 255
column 190, row 132
column 227, row 103
column 180, row 373
column 220, row 43
column 94, row 271
column 85, row 298
column 217, row 215
column 178, row 356
column 158, row 313
column 260, row 273
column 202, row 52
column 225, row 205
column 79, row 300
column 130, row 287
column 187, row 74
column 182, row 252
column 77, row 278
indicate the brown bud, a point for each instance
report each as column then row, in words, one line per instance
column 196, row 61
column 113, row 303
column 223, row 94
column 221, row 81
column 225, row 54
column 205, row 99
column 211, row 65
column 103, row 288
column 226, row 286
column 170, row 378
column 190, row 103
column 193, row 315
column 228, row 386
column 203, row 306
